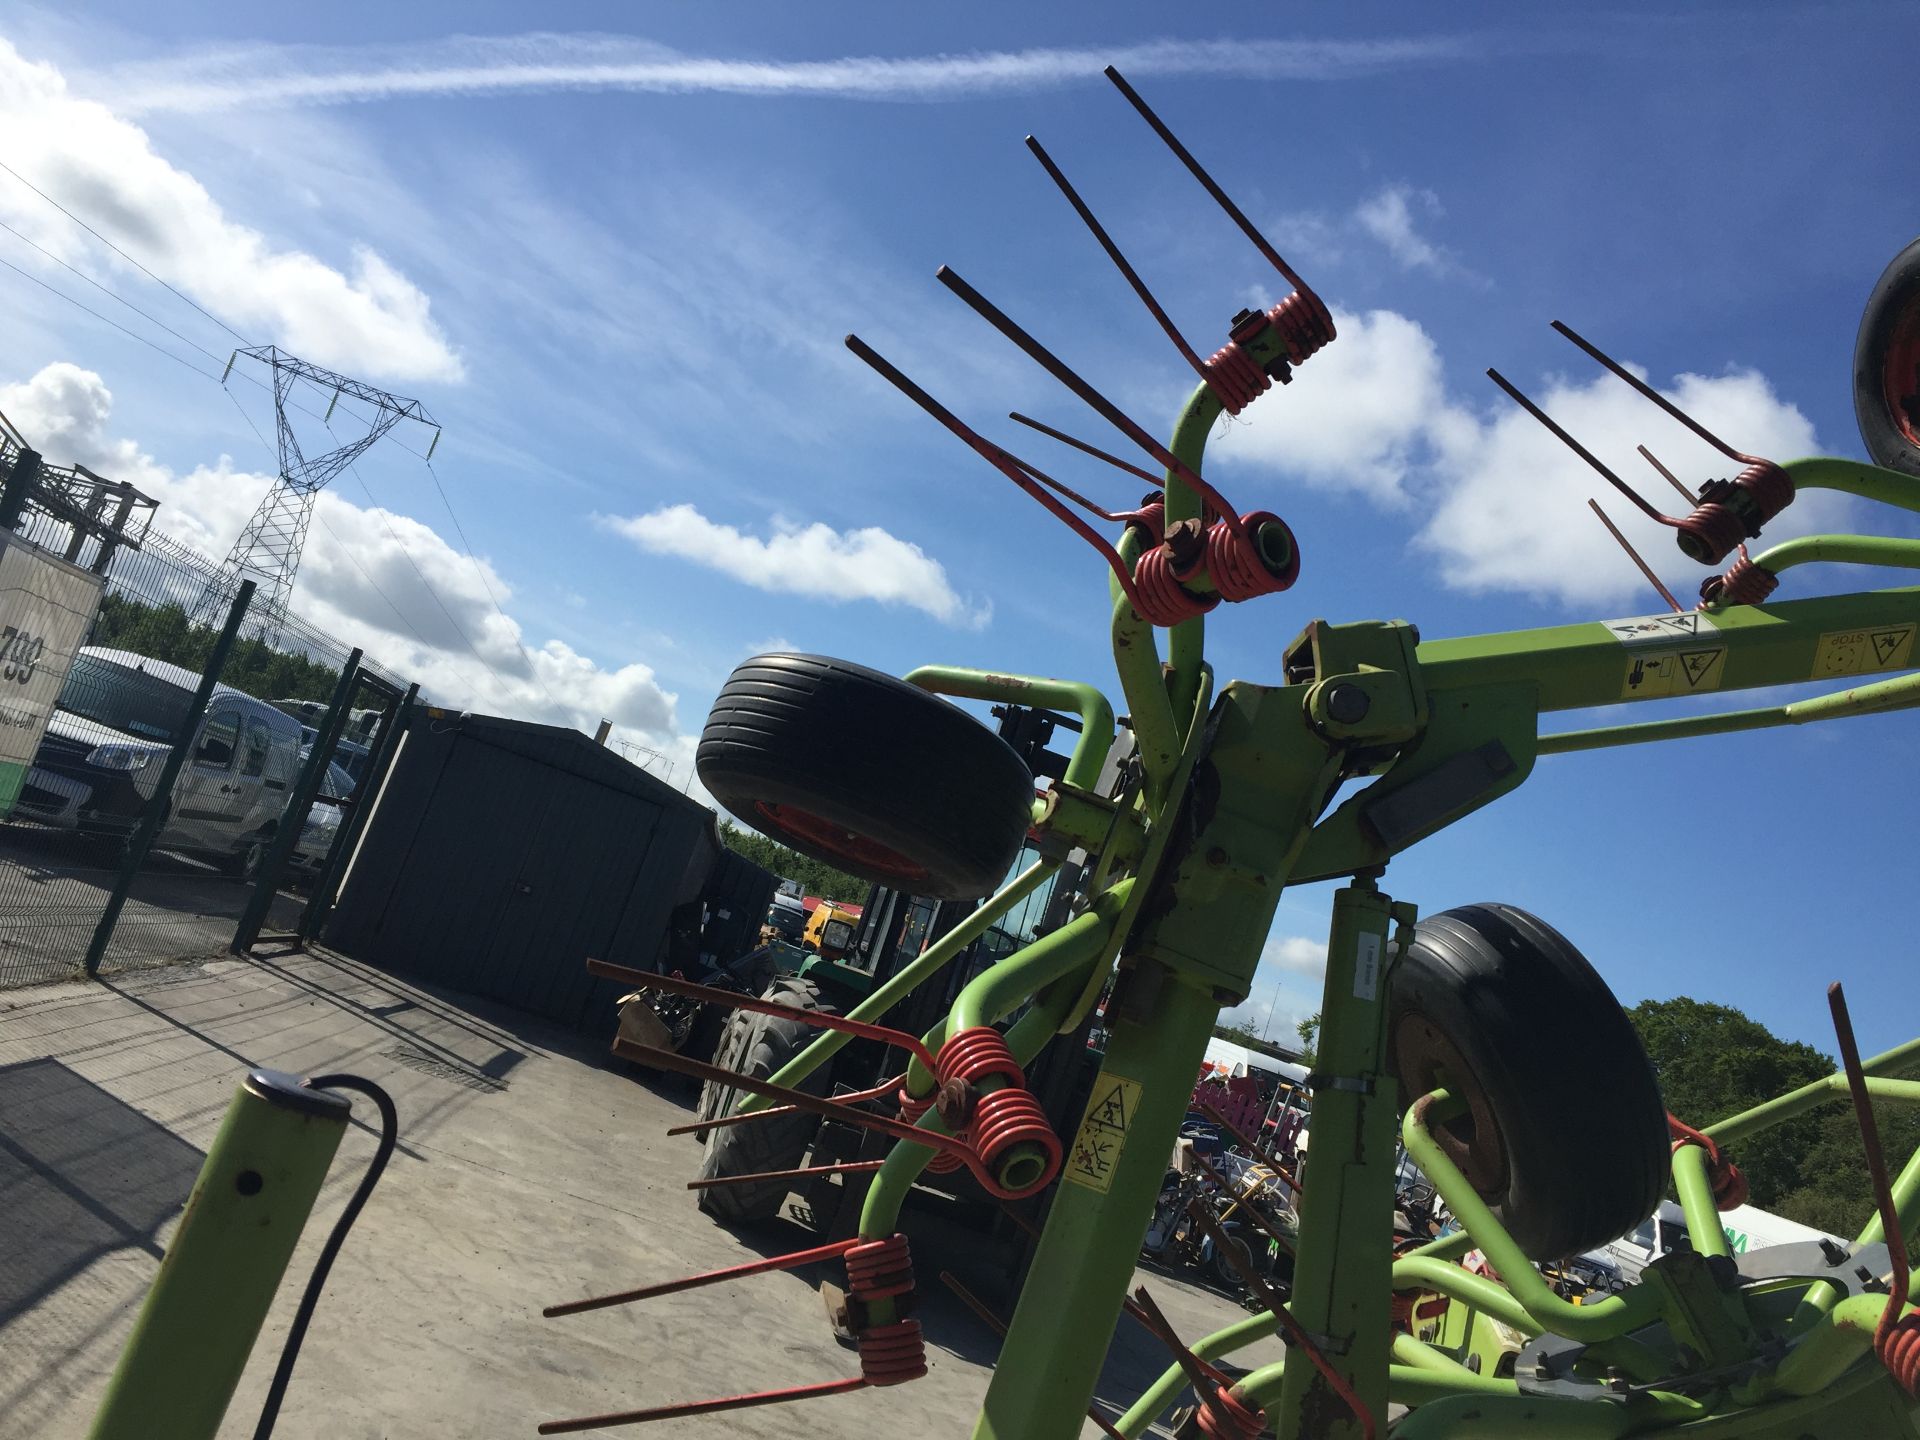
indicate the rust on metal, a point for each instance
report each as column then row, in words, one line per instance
column 845, row 1167
column 1113, row 253
column 733, row 999
column 1634, row 555
column 1559, row 433
column 1668, row 475
column 702, row 1407
column 1621, row 372
column 1081, row 445
column 799, row 1099
column 706, row 1277
column 852, row 1097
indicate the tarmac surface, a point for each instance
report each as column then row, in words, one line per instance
column 54, row 884
column 529, row 1171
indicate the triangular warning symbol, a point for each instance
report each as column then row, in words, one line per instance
column 1885, row 642
column 1698, row 665
column 1111, row 1113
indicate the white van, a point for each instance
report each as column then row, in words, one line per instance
column 116, row 719
column 1748, row 1227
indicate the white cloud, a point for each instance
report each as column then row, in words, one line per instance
column 493, row 65
column 1505, row 502
column 367, row 319
column 369, row 576
column 1510, row 510
column 1388, row 218
column 814, row 560
column 1391, row 218
column 1296, row 954
column 1357, row 416
column 1277, row 1002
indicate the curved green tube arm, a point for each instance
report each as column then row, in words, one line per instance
column 1093, row 708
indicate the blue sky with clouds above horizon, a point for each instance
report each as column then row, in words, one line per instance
column 617, row 261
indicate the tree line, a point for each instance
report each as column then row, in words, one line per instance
column 1715, row 1061
column 163, row 632
column 813, row 876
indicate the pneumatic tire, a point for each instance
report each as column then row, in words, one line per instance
column 1886, row 366
column 867, row 773
column 758, row 1049
column 1565, row 1139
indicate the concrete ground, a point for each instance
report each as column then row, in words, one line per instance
column 54, row 884
column 528, row 1172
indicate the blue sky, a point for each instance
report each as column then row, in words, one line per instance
column 616, row 262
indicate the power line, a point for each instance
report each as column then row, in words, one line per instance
column 432, row 594
column 481, row 571
column 180, row 360
column 121, row 253
column 466, row 545
column 29, row 240
column 130, row 334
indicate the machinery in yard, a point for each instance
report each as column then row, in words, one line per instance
column 895, row 928
column 1442, row 1028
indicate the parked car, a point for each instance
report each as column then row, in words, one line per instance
column 323, row 819
column 116, row 719
column 348, row 755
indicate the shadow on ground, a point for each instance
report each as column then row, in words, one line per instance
column 81, row 1175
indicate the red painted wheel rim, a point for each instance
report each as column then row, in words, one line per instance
column 840, row 842
column 1900, row 376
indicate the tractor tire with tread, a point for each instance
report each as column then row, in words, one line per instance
column 1566, row 1143
column 867, row 773
column 758, row 1048
column 1886, row 366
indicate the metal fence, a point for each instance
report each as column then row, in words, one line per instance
column 167, row 804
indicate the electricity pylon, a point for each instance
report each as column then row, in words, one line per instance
column 269, row 547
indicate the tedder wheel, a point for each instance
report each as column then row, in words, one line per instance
column 758, row 1049
column 1886, row 366
column 1565, row 1135
column 867, row 773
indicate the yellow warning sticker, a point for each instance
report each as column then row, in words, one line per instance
column 1673, row 672
column 1859, row 652
column 1103, row 1132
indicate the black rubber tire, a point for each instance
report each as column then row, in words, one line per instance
column 1220, row 1268
column 763, row 1045
column 244, row 863
column 1887, row 405
column 1567, row 1135
column 867, row 773
column 726, row 1055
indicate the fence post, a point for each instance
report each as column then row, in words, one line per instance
column 287, row 835
column 147, row 830
column 320, row 903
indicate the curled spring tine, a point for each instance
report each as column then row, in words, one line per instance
column 1084, row 447
column 1574, row 445
column 1667, row 475
column 995, row 456
column 1634, row 555
column 1113, row 253
column 1107, row 410
column 1198, row 171
column 1621, row 371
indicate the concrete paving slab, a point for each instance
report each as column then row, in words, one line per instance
column 530, row 1170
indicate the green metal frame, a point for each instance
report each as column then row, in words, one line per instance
column 1228, row 808
column 1447, row 727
